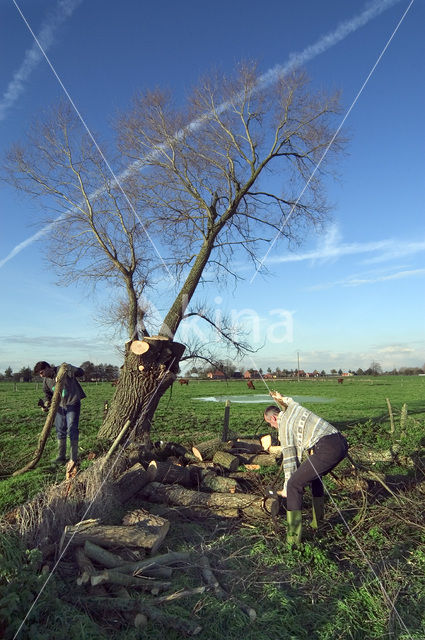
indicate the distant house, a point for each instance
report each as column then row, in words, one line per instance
column 236, row 374
column 216, row 375
column 253, row 373
column 348, row 374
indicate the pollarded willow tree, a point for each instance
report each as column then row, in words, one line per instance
column 226, row 172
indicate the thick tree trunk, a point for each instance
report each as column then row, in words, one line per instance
column 150, row 367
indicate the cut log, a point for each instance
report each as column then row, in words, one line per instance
column 172, row 474
column 206, row 450
column 102, row 556
column 264, row 459
column 149, row 536
column 226, row 460
column 130, row 482
column 212, row 482
column 222, row 504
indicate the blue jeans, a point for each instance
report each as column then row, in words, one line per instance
column 327, row 453
column 66, row 421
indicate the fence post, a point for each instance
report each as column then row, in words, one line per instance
column 225, row 434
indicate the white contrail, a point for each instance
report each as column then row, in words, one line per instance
column 33, row 55
column 295, row 59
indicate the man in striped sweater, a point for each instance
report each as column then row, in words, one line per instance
column 301, row 431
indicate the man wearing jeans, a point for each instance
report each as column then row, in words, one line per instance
column 301, row 431
column 68, row 413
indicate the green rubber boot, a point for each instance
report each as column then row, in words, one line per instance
column 318, row 511
column 61, row 452
column 294, row 520
column 74, row 451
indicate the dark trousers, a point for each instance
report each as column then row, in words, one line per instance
column 327, row 453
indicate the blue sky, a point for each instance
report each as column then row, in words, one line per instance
column 345, row 298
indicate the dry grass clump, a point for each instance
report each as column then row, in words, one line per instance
column 41, row 521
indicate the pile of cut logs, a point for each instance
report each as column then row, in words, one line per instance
column 114, row 560
column 204, row 481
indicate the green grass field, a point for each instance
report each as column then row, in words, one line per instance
column 363, row 577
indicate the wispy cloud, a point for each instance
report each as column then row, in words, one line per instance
column 331, row 248
column 357, row 281
column 33, row 55
column 324, row 43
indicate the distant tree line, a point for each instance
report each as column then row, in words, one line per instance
column 92, row 373
column 374, row 369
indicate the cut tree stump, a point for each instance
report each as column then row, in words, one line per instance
column 148, row 535
column 219, row 504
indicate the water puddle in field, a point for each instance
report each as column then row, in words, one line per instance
column 261, row 398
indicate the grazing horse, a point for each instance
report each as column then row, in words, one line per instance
column 184, row 381
column 340, row 380
column 250, row 384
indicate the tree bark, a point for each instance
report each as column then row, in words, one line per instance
column 139, row 390
column 212, row 482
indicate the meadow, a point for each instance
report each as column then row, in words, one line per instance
column 361, row 577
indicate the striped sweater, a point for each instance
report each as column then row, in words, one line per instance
column 299, row 430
